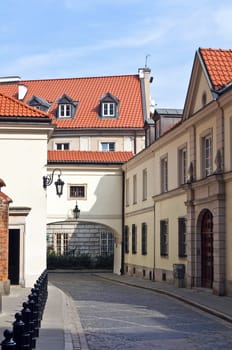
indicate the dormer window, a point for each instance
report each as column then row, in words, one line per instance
column 39, row 103
column 108, row 109
column 109, row 106
column 66, row 107
column 65, row 110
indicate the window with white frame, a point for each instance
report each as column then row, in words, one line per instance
column 109, row 106
column 62, row 146
column 107, row 243
column 144, row 184
column 65, row 110
column 108, row 109
column 66, row 107
column 107, row 146
column 182, row 165
column 61, row 243
column 164, row 174
column 77, row 191
column 207, row 163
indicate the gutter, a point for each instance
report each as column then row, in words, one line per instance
column 25, row 119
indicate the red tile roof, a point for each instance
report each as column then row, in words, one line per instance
column 218, row 64
column 88, row 92
column 10, row 107
column 88, row 157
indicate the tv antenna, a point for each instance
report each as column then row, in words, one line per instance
column 146, row 60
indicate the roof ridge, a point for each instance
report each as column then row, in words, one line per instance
column 214, row 49
column 77, row 78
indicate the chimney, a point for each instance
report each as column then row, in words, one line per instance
column 10, row 79
column 22, row 90
column 146, row 80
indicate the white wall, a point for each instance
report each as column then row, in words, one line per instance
column 23, row 161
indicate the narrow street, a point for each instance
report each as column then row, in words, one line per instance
column 115, row 316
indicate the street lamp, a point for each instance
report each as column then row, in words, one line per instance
column 48, row 180
column 76, row 212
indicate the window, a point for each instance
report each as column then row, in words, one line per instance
column 134, row 239
column 107, row 243
column 77, row 191
column 207, row 155
column 66, row 107
column 182, row 166
column 62, row 146
column 61, row 243
column 127, row 192
column 144, row 238
column 134, row 189
column 65, row 110
column 164, row 174
column 108, row 146
column 144, row 184
column 108, row 109
column 109, row 106
column 39, row 103
column 126, row 239
column 182, row 237
column 204, row 99
column 164, row 237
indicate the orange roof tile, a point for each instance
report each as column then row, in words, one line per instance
column 88, row 92
column 218, row 64
column 10, row 107
column 88, row 157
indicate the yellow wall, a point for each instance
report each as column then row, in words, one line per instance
column 171, row 209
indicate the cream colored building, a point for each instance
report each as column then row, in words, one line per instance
column 178, row 190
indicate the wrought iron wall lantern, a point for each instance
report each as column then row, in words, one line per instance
column 48, row 180
column 76, row 212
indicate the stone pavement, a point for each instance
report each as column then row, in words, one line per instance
column 61, row 328
column 220, row 306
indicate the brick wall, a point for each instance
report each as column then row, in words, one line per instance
column 4, row 210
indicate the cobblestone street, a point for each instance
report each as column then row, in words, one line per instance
column 115, row 316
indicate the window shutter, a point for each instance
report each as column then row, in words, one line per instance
column 134, row 241
column 144, row 238
column 163, row 238
column 181, row 234
column 126, row 239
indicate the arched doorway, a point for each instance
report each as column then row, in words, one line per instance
column 207, row 250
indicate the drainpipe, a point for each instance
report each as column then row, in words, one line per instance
column 154, row 244
column 123, row 224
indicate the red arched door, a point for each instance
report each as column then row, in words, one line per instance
column 207, row 250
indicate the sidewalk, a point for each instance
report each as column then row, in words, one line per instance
column 199, row 297
column 54, row 333
column 61, row 328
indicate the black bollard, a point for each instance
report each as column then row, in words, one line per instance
column 31, row 305
column 28, row 326
column 8, row 343
column 18, row 329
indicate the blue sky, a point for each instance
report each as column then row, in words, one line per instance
column 42, row 39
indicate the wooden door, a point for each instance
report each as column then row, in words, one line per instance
column 207, row 250
column 13, row 270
